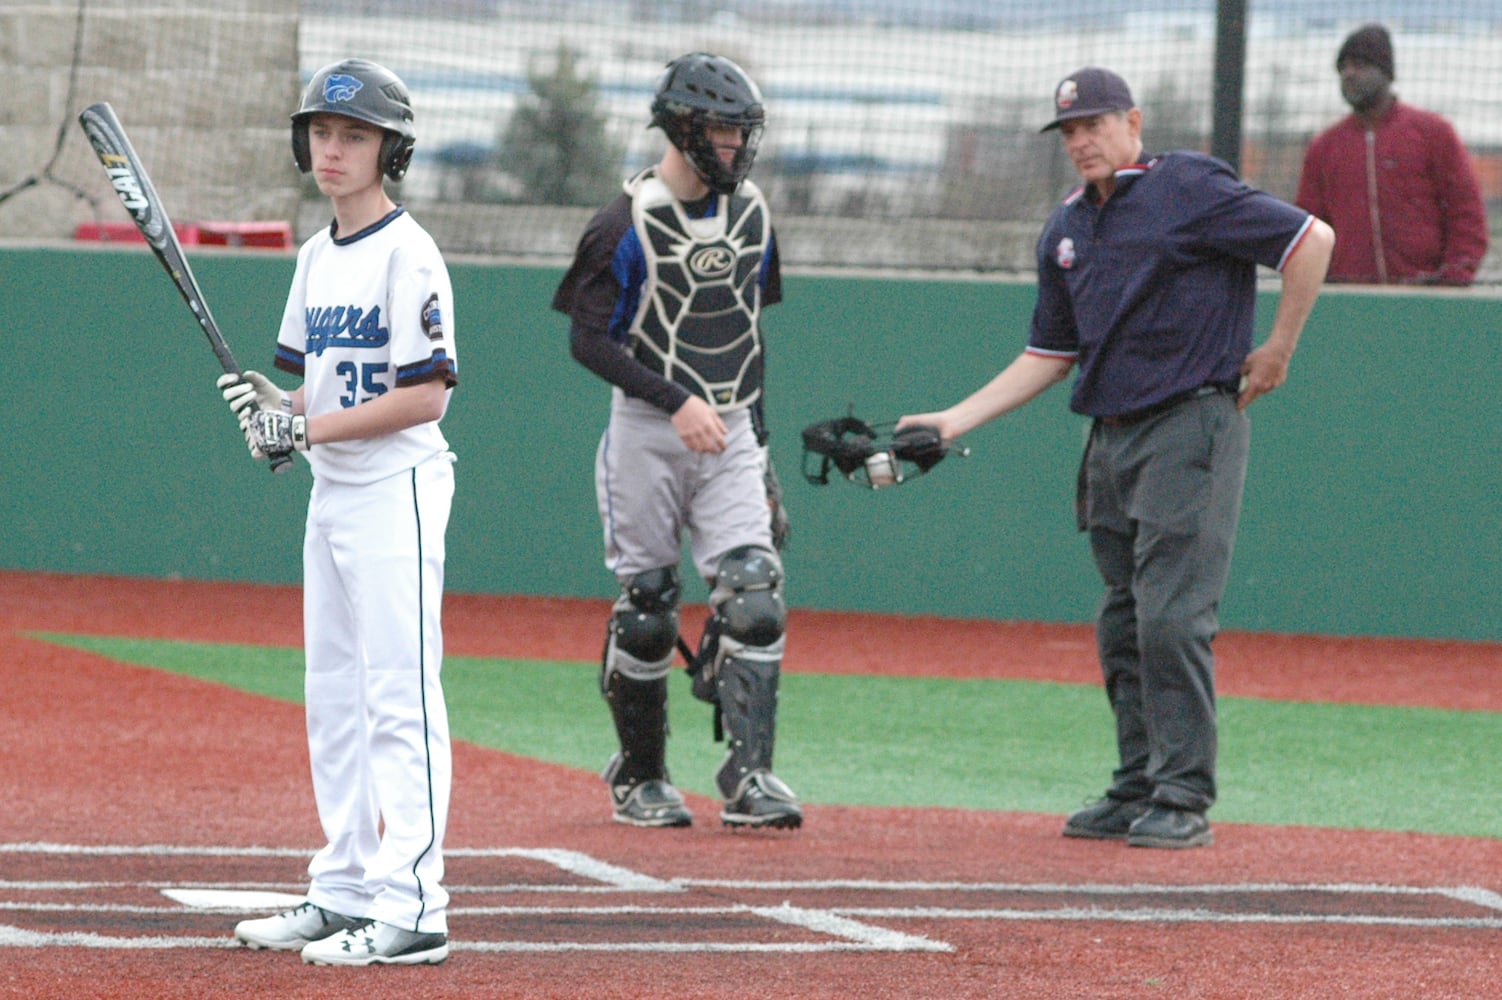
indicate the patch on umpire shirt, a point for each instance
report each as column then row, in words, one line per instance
column 432, row 318
column 1064, row 254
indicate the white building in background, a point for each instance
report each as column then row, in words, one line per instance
column 877, row 103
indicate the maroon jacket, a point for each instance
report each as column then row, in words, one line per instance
column 1429, row 223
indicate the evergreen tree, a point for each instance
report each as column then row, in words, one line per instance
column 555, row 145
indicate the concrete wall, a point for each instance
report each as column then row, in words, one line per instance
column 203, row 90
column 1371, row 508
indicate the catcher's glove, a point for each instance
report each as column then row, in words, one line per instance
column 782, row 528
column 858, row 451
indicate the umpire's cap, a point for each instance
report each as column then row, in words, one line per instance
column 1088, row 92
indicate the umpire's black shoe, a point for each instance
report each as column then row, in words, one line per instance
column 1106, row 819
column 1165, row 826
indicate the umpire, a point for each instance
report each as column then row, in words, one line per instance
column 1147, row 280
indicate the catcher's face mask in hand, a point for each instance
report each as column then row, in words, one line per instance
column 861, row 455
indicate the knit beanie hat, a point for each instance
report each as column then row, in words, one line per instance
column 1370, row 43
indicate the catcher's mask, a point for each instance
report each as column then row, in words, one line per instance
column 699, row 90
column 872, row 456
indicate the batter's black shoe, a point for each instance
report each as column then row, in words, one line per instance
column 1106, row 819
column 1165, row 826
column 762, row 799
column 653, row 802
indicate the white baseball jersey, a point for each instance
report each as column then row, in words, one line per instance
column 368, row 313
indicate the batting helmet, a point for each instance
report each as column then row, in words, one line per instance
column 698, row 90
column 358, row 88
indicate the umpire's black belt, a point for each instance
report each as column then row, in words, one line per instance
column 1137, row 416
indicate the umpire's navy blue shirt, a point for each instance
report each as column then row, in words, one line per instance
column 1152, row 292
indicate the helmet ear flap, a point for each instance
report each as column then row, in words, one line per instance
column 302, row 153
column 396, row 155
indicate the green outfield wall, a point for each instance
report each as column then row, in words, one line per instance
column 1372, row 505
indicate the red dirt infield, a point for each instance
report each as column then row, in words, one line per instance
column 124, row 784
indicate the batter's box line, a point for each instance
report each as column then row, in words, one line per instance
column 608, row 877
column 849, row 935
column 1475, row 895
column 1165, row 916
column 573, row 862
column 854, row 934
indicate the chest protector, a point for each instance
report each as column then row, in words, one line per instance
column 697, row 322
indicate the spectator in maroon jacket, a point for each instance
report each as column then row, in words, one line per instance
column 1393, row 181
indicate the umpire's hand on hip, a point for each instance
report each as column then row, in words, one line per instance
column 1264, row 370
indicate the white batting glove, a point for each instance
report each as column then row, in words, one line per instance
column 273, row 432
column 239, row 391
column 250, row 438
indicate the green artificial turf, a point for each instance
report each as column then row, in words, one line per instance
column 973, row 744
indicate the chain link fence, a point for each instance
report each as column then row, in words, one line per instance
column 902, row 134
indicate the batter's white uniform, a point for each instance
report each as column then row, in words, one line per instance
column 367, row 314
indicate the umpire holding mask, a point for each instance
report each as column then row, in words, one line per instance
column 1147, row 281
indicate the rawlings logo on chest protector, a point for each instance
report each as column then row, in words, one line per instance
column 712, row 262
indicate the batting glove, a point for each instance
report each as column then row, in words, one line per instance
column 273, row 432
column 239, row 391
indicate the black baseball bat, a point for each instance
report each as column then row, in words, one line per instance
column 139, row 197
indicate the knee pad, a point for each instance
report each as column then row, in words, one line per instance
column 643, row 627
column 746, row 619
column 747, row 596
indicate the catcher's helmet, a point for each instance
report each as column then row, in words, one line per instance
column 700, row 89
column 358, row 88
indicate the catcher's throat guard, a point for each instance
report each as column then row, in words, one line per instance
column 869, row 455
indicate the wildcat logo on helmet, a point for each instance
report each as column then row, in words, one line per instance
column 340, row 87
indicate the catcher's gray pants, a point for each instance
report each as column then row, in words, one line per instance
column 651, row 489
column 1161, row 502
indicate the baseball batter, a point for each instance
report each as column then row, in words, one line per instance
column 665, row 297
column 369, row 329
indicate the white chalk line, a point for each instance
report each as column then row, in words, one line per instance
column 847, row 934
column 846, row 925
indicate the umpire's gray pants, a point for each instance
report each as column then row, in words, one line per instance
column 1161, row 502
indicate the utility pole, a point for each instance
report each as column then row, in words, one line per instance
column 1230, row 80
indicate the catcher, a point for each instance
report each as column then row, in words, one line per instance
column 665, row 297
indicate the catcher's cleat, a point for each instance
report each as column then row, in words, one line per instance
column 762, row 799
column 650, row 803
column 293, row 929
